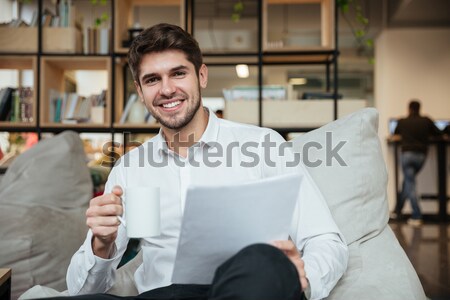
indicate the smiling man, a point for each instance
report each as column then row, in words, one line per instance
column 169, row 74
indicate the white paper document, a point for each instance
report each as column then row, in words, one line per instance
column 219, row 221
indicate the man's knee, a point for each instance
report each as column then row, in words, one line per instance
column 262, row 251
column 259, row 270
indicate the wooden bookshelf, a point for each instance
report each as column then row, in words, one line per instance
column 125, row 17
column 19, row 40
column 62, row 40
column 60, row 53
column 21, row 63
column 282, row 9
column 119, row 103
column 53, row 76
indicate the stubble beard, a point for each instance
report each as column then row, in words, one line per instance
column 177, row 123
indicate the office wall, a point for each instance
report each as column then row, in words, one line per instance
column 412, row 63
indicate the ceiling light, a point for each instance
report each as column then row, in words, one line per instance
column 242, row 71
column 298, row 81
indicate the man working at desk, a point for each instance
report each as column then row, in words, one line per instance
column 167, row 66
column 415, row 131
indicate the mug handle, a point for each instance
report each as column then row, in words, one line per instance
column 122, row 218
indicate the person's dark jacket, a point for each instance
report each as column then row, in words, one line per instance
column 415, row 132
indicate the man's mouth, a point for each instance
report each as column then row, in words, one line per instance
column 171, row 104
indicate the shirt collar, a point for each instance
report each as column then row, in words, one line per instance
column 208, row 137
column 212, row 129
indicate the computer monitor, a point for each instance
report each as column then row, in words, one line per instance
column 441, row 124
column 392, row 125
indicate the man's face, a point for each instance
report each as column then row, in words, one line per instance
column 171, row 87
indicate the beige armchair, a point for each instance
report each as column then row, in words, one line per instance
column 354, row 186
column 43, row 200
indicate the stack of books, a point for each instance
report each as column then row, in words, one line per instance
column 16, row 104
column 72, row 108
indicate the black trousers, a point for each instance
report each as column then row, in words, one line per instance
column 256, row 272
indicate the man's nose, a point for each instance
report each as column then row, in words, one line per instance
column 167, row 87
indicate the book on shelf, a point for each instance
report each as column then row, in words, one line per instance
column 15, row 112
column 136, row 112
column 5, row 103
column 97, row 40
column 126, row 111
column 63, row 15
column 34, row 18
column 72, row 105
column 55, row 107
column 16, row 104
column 72, row 108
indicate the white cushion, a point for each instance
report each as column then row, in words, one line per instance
column 355, row 192
column 43, row 199
column 354, row 186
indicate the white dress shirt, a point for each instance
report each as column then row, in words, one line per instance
column 220, row 156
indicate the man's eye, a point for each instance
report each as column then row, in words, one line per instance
column 179, row 74
column 151, row 80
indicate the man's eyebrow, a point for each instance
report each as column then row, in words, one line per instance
column 174, row 69
column 144, row 77
column 179, row 68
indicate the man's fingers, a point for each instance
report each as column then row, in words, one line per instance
column 104, row 211
column 117, row 190
column 106, row 199
column 102, row 222
column 289, row 248
column 304, row 282
column 286, row 246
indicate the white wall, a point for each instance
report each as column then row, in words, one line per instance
column 412, row 63
column 91, row 82
column 6, row 11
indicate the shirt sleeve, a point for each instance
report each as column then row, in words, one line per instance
column 313, row 229
column 88, row 273
column 315, row 233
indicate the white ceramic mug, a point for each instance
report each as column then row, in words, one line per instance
column 142, row 212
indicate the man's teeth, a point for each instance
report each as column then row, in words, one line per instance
column 171, row 104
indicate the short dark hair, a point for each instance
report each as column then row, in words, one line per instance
column 414, row 107
column 159, row 38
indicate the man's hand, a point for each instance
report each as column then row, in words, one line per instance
column 291, row 251
column 101, row 217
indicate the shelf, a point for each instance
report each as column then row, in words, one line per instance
column 230, row 60
column 12, row 126
column 62, row 40
column 292, row 27
column 22, row 63
column 216, row 32
column 145, row 13
column 303, row 57
column 19, row 40
column 15, row 62
column 58, row 129
column 137, row 128
column 56, row 71
column 79, row 125
column 223, row 47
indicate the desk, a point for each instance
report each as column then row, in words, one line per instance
column 441, row 151
column 5, row 284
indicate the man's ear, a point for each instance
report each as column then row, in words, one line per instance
column 139, row 90
column 203, row 76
